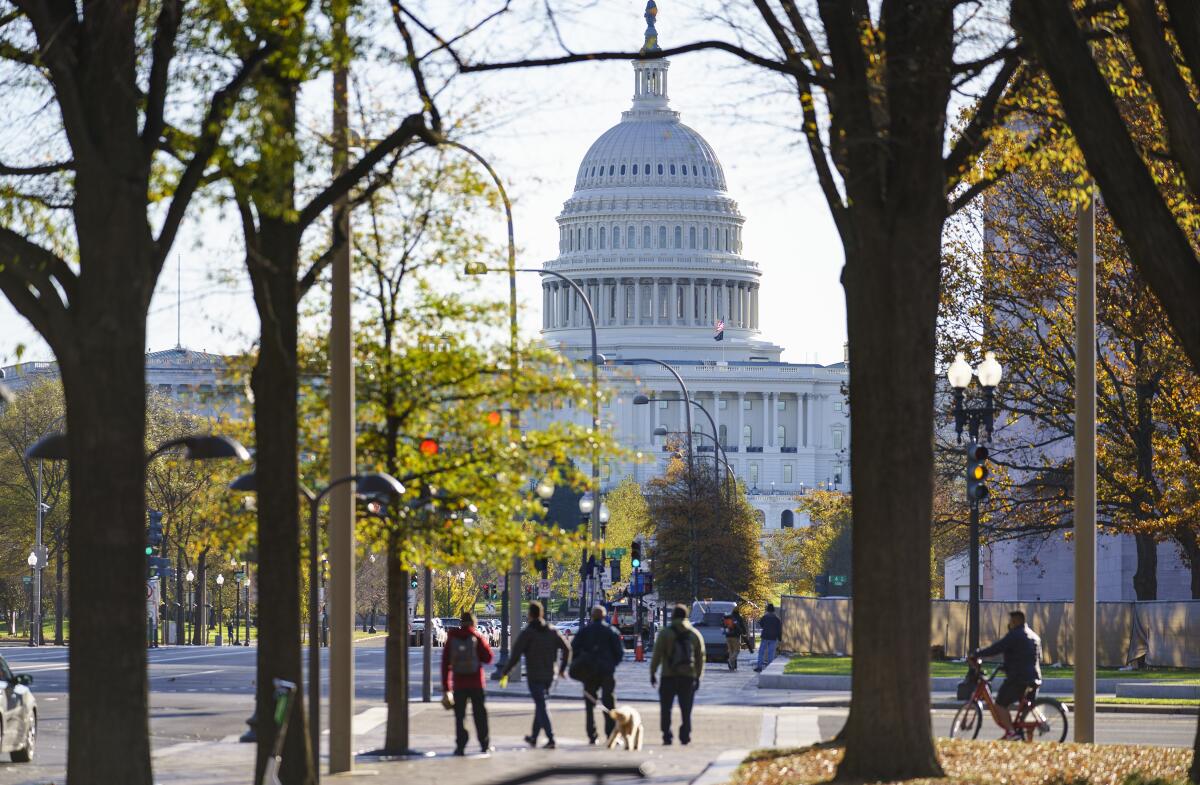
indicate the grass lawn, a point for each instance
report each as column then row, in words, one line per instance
column 840, row 666
column 989, row 763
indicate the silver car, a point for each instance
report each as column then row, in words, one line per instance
column 18, row 715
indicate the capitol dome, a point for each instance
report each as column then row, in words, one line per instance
column 655, row 240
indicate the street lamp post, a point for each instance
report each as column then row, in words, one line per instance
column 971, row 418
column 220, row 612
column 642, row 400
column 246, row 605
column 324, row 603
column 479, row 268
column 189, row 611
column 237, row 609
column 687, row 398
column 34, row 621
column 368, row 485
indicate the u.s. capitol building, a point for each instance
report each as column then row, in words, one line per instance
column 654, row 238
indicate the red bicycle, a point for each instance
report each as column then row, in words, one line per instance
column 1042, row 719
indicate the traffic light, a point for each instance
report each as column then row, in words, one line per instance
column 821, row 585
column 429, row 447
column 154, row 532
column 635, row 554
column 614, row 566
column 977, row 472
column 413, row 582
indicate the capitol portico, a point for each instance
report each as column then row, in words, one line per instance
column 653, row 237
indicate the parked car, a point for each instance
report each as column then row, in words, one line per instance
column 416, row 633
column 18, row 731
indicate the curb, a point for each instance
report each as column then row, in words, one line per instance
column 722, row 768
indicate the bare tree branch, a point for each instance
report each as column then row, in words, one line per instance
column 163, row 50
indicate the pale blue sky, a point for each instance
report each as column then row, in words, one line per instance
column 546, row 121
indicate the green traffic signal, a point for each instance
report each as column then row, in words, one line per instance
column 413, row 582
column 149, row 551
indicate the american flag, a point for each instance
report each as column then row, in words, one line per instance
column 719, row 330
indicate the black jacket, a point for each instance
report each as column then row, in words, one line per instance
column 771, row 626
column 599, row 643
column 1022, row 650
column 540, row 643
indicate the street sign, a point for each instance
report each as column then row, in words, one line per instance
column 617, row 553
column 491, row 607
column 605, row 581
column 501, row 582
column 544, row 588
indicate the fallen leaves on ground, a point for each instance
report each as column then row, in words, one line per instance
column 990, row 763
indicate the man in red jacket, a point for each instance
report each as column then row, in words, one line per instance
column 463, row 659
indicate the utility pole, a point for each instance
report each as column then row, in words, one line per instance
column 340, row 602
column 427, row 640
column 41, row 559
column 1085, row 475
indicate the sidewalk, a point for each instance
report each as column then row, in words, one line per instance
column 714, row 737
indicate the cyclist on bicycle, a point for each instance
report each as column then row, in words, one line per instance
column 1022, row 650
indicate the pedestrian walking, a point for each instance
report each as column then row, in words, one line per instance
column 679, row 650
column 772, row 633
column 595, row 654
column 541, row 645
column 735, row 633
column 463, row 658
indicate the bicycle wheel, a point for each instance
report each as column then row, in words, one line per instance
column 1045, row 720
column 967, row 721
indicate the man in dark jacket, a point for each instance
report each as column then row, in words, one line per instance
column 463, row 658
column 541, row 644
column 1022, row 650
column 597, row 651
column 772, row 633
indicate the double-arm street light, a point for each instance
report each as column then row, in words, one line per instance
column 378, row 486
column 196, row 447
column 220, row 611
column 642, row 400
column 971, row 418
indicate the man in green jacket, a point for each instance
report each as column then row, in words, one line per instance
column 679, row 649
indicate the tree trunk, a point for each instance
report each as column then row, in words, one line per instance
column 1145, row 579
column 59, row 640
column 108, row 729
column 275, row 384
column 891, row 283
column 1189, row 547
column 396, row 652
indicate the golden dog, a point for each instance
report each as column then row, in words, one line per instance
column 627, row 725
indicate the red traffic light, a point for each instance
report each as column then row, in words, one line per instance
column 978, row 453
column 429, row 447
column 493, row 418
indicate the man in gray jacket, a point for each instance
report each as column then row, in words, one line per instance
column 540, row 643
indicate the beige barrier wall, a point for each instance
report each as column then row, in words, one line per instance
column 1166, row 633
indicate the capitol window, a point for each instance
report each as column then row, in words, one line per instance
column 678, row 236
column 603, row 234
column 660, row 168
column 630, row 237
column 589, row 243
column 781, row 435
column 611, row 169
column 788, row 470
column 780, row 405
column 722, row 405
column 706, row 238
column 635, row 167
column 646, row 169
column 622, row 170
column 662, row 237
column 616, row 237
column 747, row 435
column 746, row 404
column 837, row 406
column 724, row 435
column 645, row 236
column 787, row 518
column 837, row 439
column 672, row 168
column 691, row 237
column 754, row 474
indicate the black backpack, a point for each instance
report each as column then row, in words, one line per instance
column 585, row 664
column 681, row 652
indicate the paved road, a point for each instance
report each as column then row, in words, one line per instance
column 200, row 698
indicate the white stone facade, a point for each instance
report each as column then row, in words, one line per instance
column 655, row 240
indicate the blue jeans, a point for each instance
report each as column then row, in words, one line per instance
column 541, row 717
column 766, row 653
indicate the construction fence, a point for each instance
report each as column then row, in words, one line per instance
column 1166, row 633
